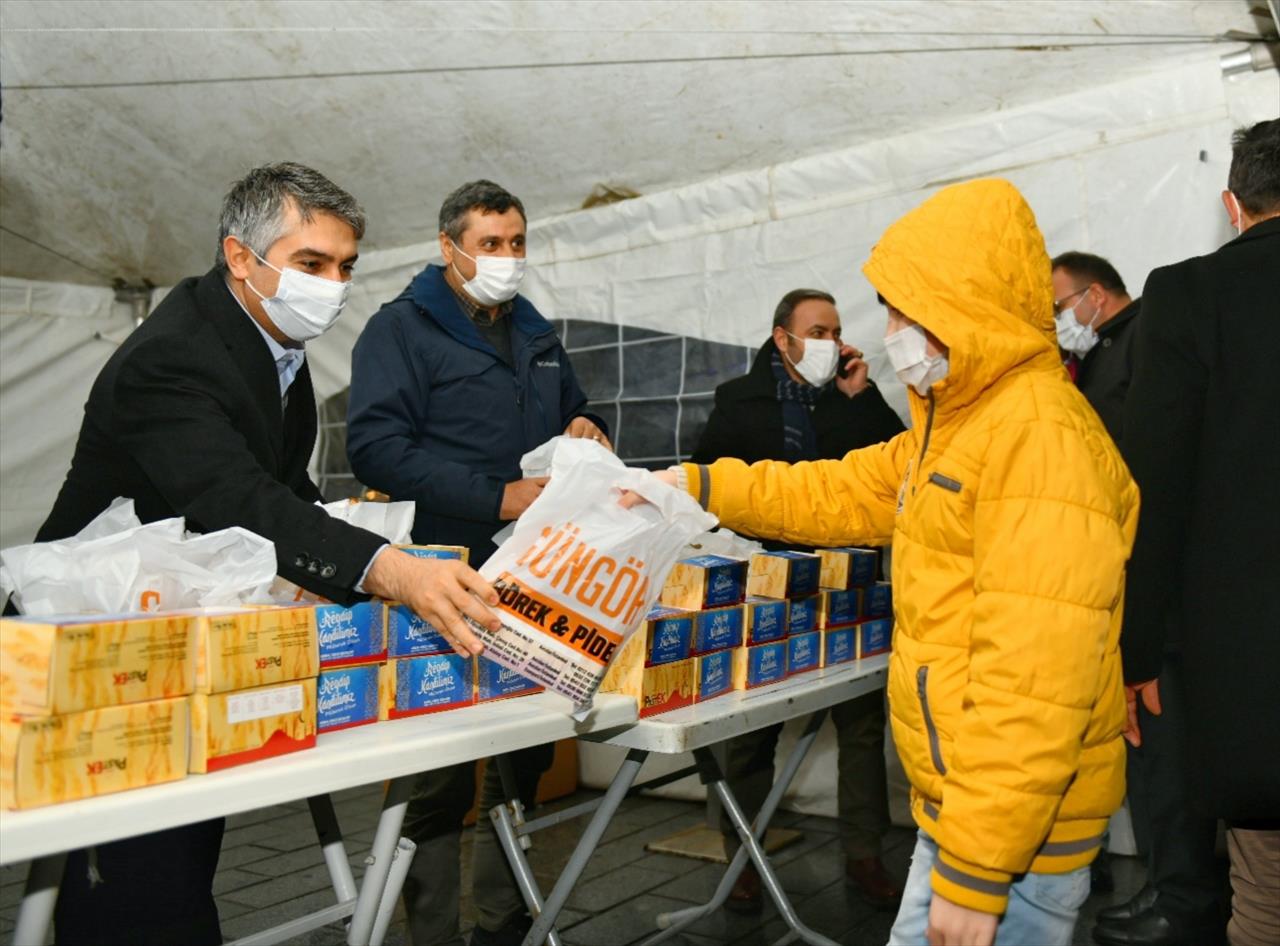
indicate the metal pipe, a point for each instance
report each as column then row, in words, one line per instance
column 385, row 841
column 400, row 862
column 1256, row 57
column 38, row 900
column 335, row 851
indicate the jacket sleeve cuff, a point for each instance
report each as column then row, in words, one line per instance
column 697, row 482
column 968, row 885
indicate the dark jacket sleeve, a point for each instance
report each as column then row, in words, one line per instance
column 870, row 419
column 1162, row 431
column 385, row 413
column 573, row 400
column 171, row 418
column 718, row 438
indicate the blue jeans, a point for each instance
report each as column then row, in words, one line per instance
column 1042, row 907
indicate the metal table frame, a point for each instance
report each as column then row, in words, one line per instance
column 697, row 729
column 396, row 750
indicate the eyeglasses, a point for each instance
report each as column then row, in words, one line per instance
column 1057, row 303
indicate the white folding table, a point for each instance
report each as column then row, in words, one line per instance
column 395, row 750
column 695, row 728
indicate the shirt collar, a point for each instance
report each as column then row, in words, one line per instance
column 288, row 361
column 474, row 310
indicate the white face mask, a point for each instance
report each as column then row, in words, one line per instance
column 304, row 306
column 497, row 277
column 1072, row 335
column 909, row 354
column 819, row 362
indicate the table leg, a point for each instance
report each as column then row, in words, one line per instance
column 335, row 852
column 41, row 894
column 617, row 791
column 391, row 893
column 505, row 828
column 672, row 923
column 385, row 841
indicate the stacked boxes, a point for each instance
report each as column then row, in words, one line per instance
column 93, row 705
column 255, row 685
column 655, row 665
column 856, row 611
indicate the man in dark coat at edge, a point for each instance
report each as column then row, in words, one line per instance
column 808, row 397
column 207, row 412
column 452, row 382
column 1201, row 441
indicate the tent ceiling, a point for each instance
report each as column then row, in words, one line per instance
column 124, row 122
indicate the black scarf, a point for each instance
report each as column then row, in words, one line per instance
column 798, row 399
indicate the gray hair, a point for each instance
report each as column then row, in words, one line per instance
column 254, row 209
column 485, row 196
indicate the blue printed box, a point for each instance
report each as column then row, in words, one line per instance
column 766, row 620
column 802, row 616
column 874, row 637
column 347, row 696
column 410, row 636
column 759, row 665
column 353, row 635
column 848, row 567
column 436, row 551
column 838, row 608
column 496, row 682
column 668, row 635
column 783, row 574
column 717, row 628
column 877, row 601
column 432, row 683
column 804, row 652
column 712, row 675
column 706, row 581
column 839, row 645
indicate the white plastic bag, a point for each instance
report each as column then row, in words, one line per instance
column 722, row 542
column 580, row 572
column 117, row 565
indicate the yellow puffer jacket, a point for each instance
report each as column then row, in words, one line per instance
column 1011, row 516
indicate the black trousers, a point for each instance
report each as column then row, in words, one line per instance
column 1178, row 843
column 155, row 890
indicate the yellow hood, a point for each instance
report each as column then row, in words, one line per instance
column 969, row 264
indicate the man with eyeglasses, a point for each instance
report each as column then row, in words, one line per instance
column 1093, row 315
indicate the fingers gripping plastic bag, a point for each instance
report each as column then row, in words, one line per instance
column 580, row 572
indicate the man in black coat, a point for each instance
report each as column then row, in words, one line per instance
column 1095, row 319
column 1201, row 441
column 207, row 412
column 808, row 397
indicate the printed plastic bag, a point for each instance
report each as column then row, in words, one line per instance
column 117, row 565
column 580, row 572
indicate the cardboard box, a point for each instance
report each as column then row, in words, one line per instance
column 804, row 652
column 233, row 728
column 759, row 665
column 432, row 683
column 666, row 687
column 496, row 682
column 766, row 620
column 657, row 687
column 668, row 635
column 410, row 636
column 717, row 629
column 839, row 645
column 783, row 574
column 848, row 567
column 57, row 665
column 839, row 608
column 51, row 759
column 802, row 615
column 877, row 601
column 713, row 675
column 460, row 552
column 244, row 648
column 348, row 696
column 706, row 581
column 354, row 635
column 874, row 637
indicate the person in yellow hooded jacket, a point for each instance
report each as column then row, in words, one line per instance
column 1011, row 516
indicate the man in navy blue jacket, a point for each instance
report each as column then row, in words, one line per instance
column 451, row 383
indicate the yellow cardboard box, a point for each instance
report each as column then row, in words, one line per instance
column 51, row 759
column 783, row 574
column 241, row 648
column 55, row 665
column 656, row 689
column 234, row 728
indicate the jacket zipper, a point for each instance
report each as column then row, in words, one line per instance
column 928, row 429
column 935, row 749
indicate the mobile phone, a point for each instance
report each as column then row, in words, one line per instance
column 841, row 370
